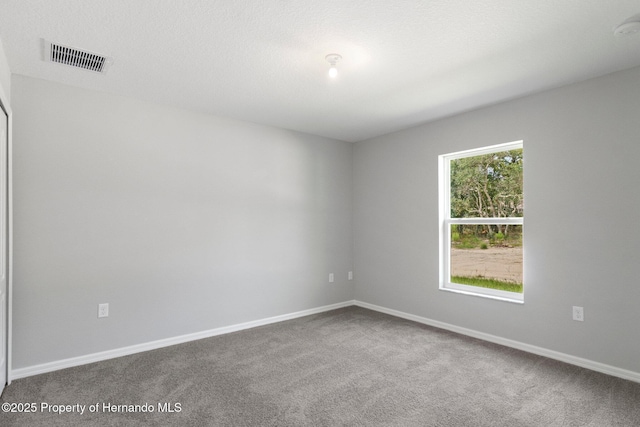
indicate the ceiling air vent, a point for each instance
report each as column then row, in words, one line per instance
column 76, row 57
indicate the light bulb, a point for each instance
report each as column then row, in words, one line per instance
column 333, row 58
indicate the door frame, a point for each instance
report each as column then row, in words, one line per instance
column 5, row 105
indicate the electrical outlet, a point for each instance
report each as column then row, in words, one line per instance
column 578, row 314
column 350, row 275
column 330, row 277
column 103, row 310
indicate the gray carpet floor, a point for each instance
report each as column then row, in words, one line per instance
column 348, row 367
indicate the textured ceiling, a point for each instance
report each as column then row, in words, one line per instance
column 404, row 61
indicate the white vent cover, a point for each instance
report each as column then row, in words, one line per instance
column 74, row 57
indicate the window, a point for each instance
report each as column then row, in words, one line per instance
column 481, row 221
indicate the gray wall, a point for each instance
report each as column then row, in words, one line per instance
column 182, row 222
column 5, row 73
column 582, row 241
column 185, row 222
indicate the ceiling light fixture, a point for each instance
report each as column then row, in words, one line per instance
column 333, row 58
column 628, row 28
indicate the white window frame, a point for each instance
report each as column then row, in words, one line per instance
column 444, row 193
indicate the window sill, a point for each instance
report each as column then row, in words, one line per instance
column 495, row 295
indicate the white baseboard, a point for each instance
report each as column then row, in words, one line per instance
column 563, row 357
column 138, row 348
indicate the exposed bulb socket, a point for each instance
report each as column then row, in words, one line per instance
column 628, row 28
column 333, row 58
